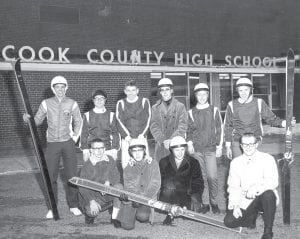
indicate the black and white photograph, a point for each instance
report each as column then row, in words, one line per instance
column 149, row 119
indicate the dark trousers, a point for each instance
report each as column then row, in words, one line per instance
column 103, row 201
column 173, row 196
column 128, row 215
column 66, row 150
column 266, row 203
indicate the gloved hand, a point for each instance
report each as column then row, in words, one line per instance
column 228, row 152
column 128, row 138
column 86, row 154
column 135, row 204
column 95, row 207
column 237, row 212
column 191, row 149
column 219, row 152
column 123, row 197
column 167, row 144
column 26, row 117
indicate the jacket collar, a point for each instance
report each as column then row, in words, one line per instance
column 173, row 163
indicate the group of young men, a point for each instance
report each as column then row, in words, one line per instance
column 187, row 144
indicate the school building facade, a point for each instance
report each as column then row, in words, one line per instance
column 102, row 44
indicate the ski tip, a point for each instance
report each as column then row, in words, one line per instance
column 74, row 180
column 290, row 53
column 17, row 65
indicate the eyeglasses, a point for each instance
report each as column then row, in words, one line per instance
column 250, row 145
column 99, row 98
column 137, row 150
column 100, row 148
column 164, row 89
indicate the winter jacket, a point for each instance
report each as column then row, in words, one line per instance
column 247, row 118
column 167, row 122
column 142, row 178
column 205, row 129
column 102, row 126
column 100, row 172
column 133, row 118
column 60, row 115
column 187, row 178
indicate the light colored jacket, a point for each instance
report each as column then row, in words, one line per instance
column 60, row 115
column 259, row 170
column 166, row 123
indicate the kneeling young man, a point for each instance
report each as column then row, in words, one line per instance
column 142, row 177
column 252, row 183
column 181, row 178
column 100, row 168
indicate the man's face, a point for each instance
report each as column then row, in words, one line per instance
column 244, row 92
column 60, row 90
column 249, row 145
column 202, row 96
column 166, row 93
column 97, row 149
column 138, row 153
column 99, row 101
column 179, row 153
column 131, row 92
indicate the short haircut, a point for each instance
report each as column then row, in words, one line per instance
column 248, row 135
column 131, row 83
column 96, row 140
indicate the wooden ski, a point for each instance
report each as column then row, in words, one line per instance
column 288, row 156
column 150, row 202
column 50, row 199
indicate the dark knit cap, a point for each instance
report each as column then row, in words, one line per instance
column 99, row 92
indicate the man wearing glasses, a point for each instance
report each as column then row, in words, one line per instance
column 100, row 123
column 252, row 183
column 100, row 168
column 169, row 119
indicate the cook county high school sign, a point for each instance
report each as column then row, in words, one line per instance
column 106, row 56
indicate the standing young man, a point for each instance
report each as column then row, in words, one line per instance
column 133, row 116
column 245, row 114
column 169, row 119
column 100, row 123
column 142, row 177
column 181, row 178
column 100, row 168
column 204, row 136
column 252, row 183
column 60, row 112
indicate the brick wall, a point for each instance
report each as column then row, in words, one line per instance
column 14, row 133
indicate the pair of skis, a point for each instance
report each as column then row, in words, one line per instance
column 150, row 202
column 50, row 199
column 284, row 163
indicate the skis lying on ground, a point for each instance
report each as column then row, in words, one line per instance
column 50, row 200
column 150, row 202
column 288, row 156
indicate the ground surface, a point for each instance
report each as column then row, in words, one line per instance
column 22, row 210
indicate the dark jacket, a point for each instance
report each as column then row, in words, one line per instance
column 187, row 178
